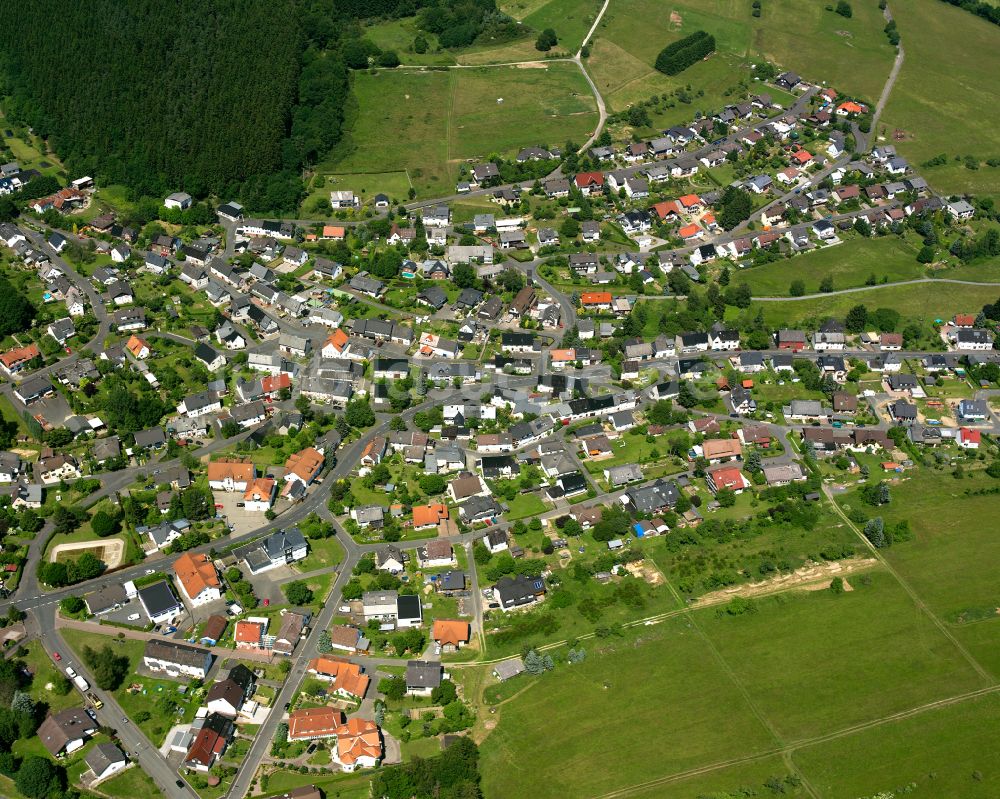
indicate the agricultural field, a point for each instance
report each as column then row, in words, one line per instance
column 580, row 700
column 937, row 103
column 943, row 752
column 447, row 117
column 852, row 55
column 631, row 34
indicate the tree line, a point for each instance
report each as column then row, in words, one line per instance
column 679, row 55
column 988, row 11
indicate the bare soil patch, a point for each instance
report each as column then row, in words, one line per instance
column 813, row 577
column 110, row 551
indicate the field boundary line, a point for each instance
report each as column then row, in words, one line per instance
column 917, row 600
column 726, row 668
column 793, row 747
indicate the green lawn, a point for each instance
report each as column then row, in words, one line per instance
column 154, row 694
column 45, row 672
column 662, row 681
column 129, row 784
column 323, row 552
column 444, row 118
column 923, row 302
column 524, row 505
column 341, row 786
column 939, row 102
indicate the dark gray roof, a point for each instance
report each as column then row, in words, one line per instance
column 175, row 652
column 158, row 598
column 103, row 755
column 423, row 674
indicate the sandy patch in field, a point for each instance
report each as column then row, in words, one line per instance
column 812, row 578
column 645, row 571
column 110, row 551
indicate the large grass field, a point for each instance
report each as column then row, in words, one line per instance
column 570, row 19
column 819, row 662
column 944, row 561
column 723, row 695
column 428, row 123
column 851, row 54
column 633, row 32
column 924, row 302
column 849, row 264
column 947, row 81
column 946, row 753
column 645, row 694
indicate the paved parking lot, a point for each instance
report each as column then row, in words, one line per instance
column 268, row 584
column 242, row 520
column 121, row 616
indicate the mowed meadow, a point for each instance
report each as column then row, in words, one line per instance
column 711, row 702
column 427, row 123
column 850, row 54
column 944, row 102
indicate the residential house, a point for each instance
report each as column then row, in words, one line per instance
column 197, row 578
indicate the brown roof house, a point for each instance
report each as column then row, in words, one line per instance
column 720, row 450
column 291, row 628
column 66, row 731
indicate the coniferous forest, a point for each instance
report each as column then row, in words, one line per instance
column 230, row 98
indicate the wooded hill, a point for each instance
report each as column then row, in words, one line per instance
column 197, row 95
column 230, row 98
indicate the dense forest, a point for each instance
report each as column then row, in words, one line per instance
column 225, row 98
column 230, row 99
